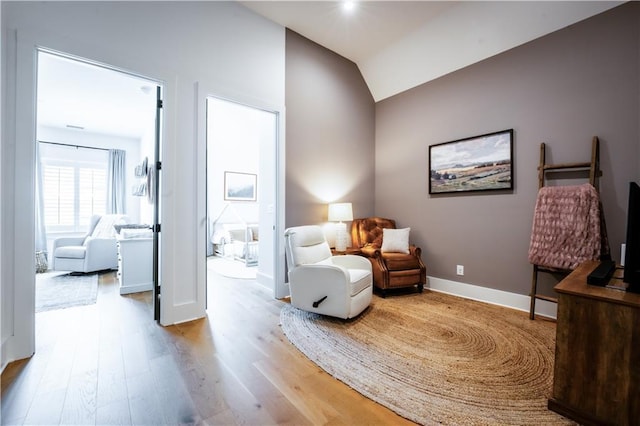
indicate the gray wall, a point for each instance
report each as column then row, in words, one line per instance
column 329, row 131
column 562, row 89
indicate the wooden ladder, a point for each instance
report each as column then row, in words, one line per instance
column 593, row 167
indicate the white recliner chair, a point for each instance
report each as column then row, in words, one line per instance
column 96, row 251
column 338, row 286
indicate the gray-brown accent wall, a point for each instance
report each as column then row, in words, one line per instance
column 330, row 126
column 562, row 89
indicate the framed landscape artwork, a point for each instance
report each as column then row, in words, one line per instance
column 479, row 163
column 240, row 186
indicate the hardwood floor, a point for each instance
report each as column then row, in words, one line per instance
column 110, row 363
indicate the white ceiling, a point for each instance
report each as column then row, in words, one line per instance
column 397, row 45
column 370, row 27
column 97, row 99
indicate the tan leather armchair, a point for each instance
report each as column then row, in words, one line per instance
column 390, row 269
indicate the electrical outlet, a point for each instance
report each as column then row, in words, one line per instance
column 460, row 269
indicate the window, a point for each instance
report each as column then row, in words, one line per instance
column 74, row 189
column 92, row 194
column 58, row 201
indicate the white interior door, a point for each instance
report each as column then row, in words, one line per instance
column 154, row 191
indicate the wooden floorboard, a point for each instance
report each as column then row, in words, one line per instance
column 111, row 364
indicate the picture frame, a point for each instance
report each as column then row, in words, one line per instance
column 240, row 186
column 139, row 189
column 478, row 163
column 141, row 169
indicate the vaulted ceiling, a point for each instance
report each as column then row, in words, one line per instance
column 398, row 45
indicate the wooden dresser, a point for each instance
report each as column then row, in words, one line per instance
column 597, row 362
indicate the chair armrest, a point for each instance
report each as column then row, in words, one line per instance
column 309, row 283
column 102, row 253
column 102, row 244
column 351, row 261
column 67, row 241
column 376, row 252
column 325, row 274
column 370, row 251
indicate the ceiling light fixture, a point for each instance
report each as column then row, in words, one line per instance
column 71, row 126
column 349, row 6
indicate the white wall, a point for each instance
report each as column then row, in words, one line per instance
column 232, row 146
column 2, row 135
column 217, row 44
column 147, row 149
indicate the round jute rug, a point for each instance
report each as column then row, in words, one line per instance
column 437, row 359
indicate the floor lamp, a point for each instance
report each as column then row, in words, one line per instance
column 339, row 212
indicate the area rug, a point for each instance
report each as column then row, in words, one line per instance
column 231, row 268
column 60, row 290
column 437, row 359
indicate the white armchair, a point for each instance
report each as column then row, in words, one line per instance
column 96, row 251
column 338, row 286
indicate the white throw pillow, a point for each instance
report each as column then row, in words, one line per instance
column 395, row 240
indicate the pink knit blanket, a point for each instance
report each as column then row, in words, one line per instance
column 566, row 227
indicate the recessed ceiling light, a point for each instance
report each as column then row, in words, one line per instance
column 349, row 6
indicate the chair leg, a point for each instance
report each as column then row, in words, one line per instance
column 534, row 291
column 420, row 287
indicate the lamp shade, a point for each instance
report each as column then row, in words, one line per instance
column 339, row 212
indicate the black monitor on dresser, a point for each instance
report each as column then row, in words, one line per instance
column 632, row 251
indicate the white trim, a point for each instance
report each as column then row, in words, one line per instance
column 136, row 288
column 279, row 274
column 20, row 341
column 520, row 302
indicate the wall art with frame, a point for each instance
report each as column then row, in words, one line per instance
column 478, row 163
column 240, row 186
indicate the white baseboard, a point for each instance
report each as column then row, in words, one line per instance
column 265, row 280
column 3, row 360
column 136, row 288
column 489, row 295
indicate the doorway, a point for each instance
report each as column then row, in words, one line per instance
column 97, row 151
column 241, row 187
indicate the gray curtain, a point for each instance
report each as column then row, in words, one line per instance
column 41, row 232
column 116, row 182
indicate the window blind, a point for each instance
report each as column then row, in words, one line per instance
column 73, row 191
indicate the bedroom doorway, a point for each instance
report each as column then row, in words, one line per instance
column 97, row 152
column 240, row 190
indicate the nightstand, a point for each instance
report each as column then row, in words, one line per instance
column 135, row 264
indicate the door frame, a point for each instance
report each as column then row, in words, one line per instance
column 156, row 162
column 156, row 170
column 275, row 282
column 21, row 262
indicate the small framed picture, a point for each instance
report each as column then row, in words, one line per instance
column 141, row 169
column 240, row 186
column 139, row 189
